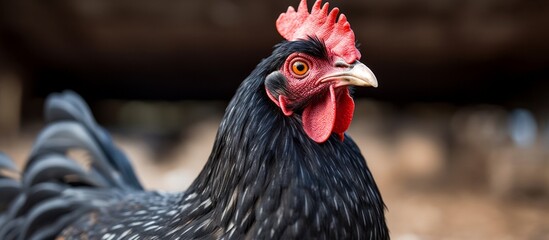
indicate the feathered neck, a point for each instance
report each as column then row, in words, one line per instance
column 252, row 133
column 261, row 159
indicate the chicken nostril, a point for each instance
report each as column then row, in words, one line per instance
column 341, row 64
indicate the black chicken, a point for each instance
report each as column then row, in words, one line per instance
column 281, row 166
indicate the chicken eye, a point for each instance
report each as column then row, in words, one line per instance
column 300, row 68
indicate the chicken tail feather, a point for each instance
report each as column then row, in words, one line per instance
column 54, row 189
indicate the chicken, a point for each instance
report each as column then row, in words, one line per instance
column 281, row 166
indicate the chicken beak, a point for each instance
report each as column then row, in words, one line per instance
column 356, row 74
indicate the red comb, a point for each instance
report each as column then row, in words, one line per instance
column 338, row 36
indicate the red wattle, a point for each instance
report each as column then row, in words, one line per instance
column 330, row 114
column 344, row 114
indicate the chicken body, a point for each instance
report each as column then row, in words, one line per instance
column 266, row 178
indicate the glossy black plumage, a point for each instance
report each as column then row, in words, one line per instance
column 265, row 179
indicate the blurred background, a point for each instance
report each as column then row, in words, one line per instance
column 457, row 134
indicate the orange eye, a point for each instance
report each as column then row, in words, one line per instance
column 300, row 68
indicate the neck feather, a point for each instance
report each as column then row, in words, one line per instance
column 262, row 159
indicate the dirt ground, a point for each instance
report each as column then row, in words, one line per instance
column 423, row 199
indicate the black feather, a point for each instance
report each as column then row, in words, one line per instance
column 56, row 190
column 10, row 230
column 10, row 189
column 70, row 106
column 59, row 137
column 6, row 164
column 34, row 196
column 60, row 169
column 49, row 217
